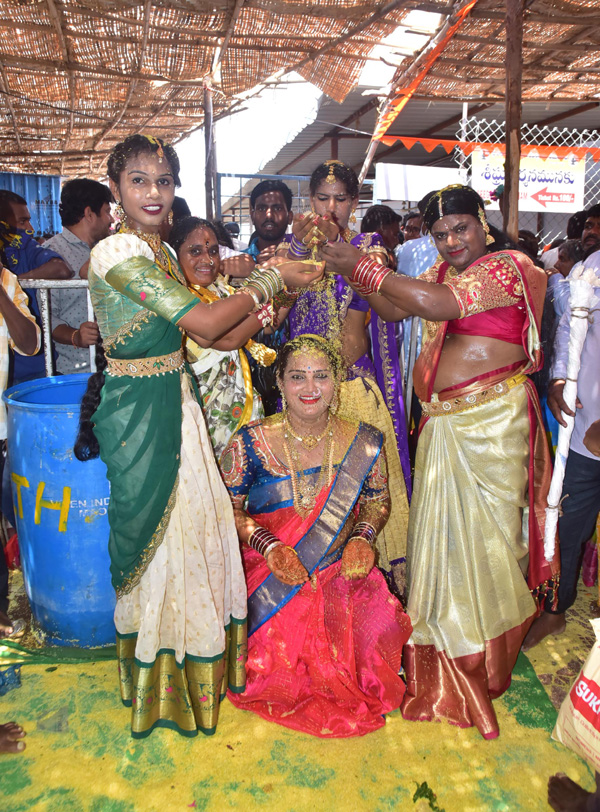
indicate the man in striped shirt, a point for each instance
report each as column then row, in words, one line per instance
column 19, row 331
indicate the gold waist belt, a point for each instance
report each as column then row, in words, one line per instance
column 142, row 367
column 459, row 404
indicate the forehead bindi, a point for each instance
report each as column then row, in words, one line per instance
column 451, row 222
column 201, row 237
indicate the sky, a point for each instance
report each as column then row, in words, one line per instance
column 247, row 140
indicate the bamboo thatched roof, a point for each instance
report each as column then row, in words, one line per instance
column 561, row 53
column 76, row 76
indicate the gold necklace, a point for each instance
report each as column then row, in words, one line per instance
column 161, row 255
column 304, row 494
column 309, row 441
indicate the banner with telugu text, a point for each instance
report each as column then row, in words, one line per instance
column 552, row 184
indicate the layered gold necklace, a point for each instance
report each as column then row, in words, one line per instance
column 304, row 492
column 161, row 255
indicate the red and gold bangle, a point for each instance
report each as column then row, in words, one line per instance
column 368, row 275
column 263, row 541
column 73, row 334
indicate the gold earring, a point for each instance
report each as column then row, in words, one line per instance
column 335, row 402
column 352, row 218
column 119, row 211
column 283, row 403
column 170, row 218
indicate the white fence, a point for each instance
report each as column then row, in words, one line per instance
column 44, row 288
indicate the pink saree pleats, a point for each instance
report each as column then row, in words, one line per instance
column 327, row 663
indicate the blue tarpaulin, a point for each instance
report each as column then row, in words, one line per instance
column 42, row 193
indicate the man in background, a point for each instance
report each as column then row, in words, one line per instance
column 271, row 214
column 19, row 331
column 580, row 501
column 413, row 223
column 26, row 259
column 86, row 219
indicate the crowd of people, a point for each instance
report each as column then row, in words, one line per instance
column 248, row 405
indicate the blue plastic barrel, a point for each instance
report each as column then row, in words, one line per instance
column 61, row 513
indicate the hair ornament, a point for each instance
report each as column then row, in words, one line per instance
column 331, row 178
column 485, row 225
column 159, row 146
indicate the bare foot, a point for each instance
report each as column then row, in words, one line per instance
column 11, row 735
column 541, row 627
column 8, row 629
column 565, row 795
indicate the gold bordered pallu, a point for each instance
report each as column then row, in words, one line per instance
column 184, row 696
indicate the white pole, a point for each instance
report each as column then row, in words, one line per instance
column 582, row 282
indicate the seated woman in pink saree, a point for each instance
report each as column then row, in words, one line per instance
column 310, row 496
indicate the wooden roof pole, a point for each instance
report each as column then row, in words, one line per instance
column 67, row 54
column 210, row 144
column 220, row 51
column 9, row 104
column 409, row 81
column 132, row 81
column 514, row 75
column 210, row 161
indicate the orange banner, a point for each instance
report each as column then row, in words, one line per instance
column 403, row 95
column 543, row 150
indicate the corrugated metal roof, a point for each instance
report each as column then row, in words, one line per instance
column 419, row 116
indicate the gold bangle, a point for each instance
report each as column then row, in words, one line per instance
column 255, row 297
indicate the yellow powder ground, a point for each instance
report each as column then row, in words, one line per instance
column 81, row 758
